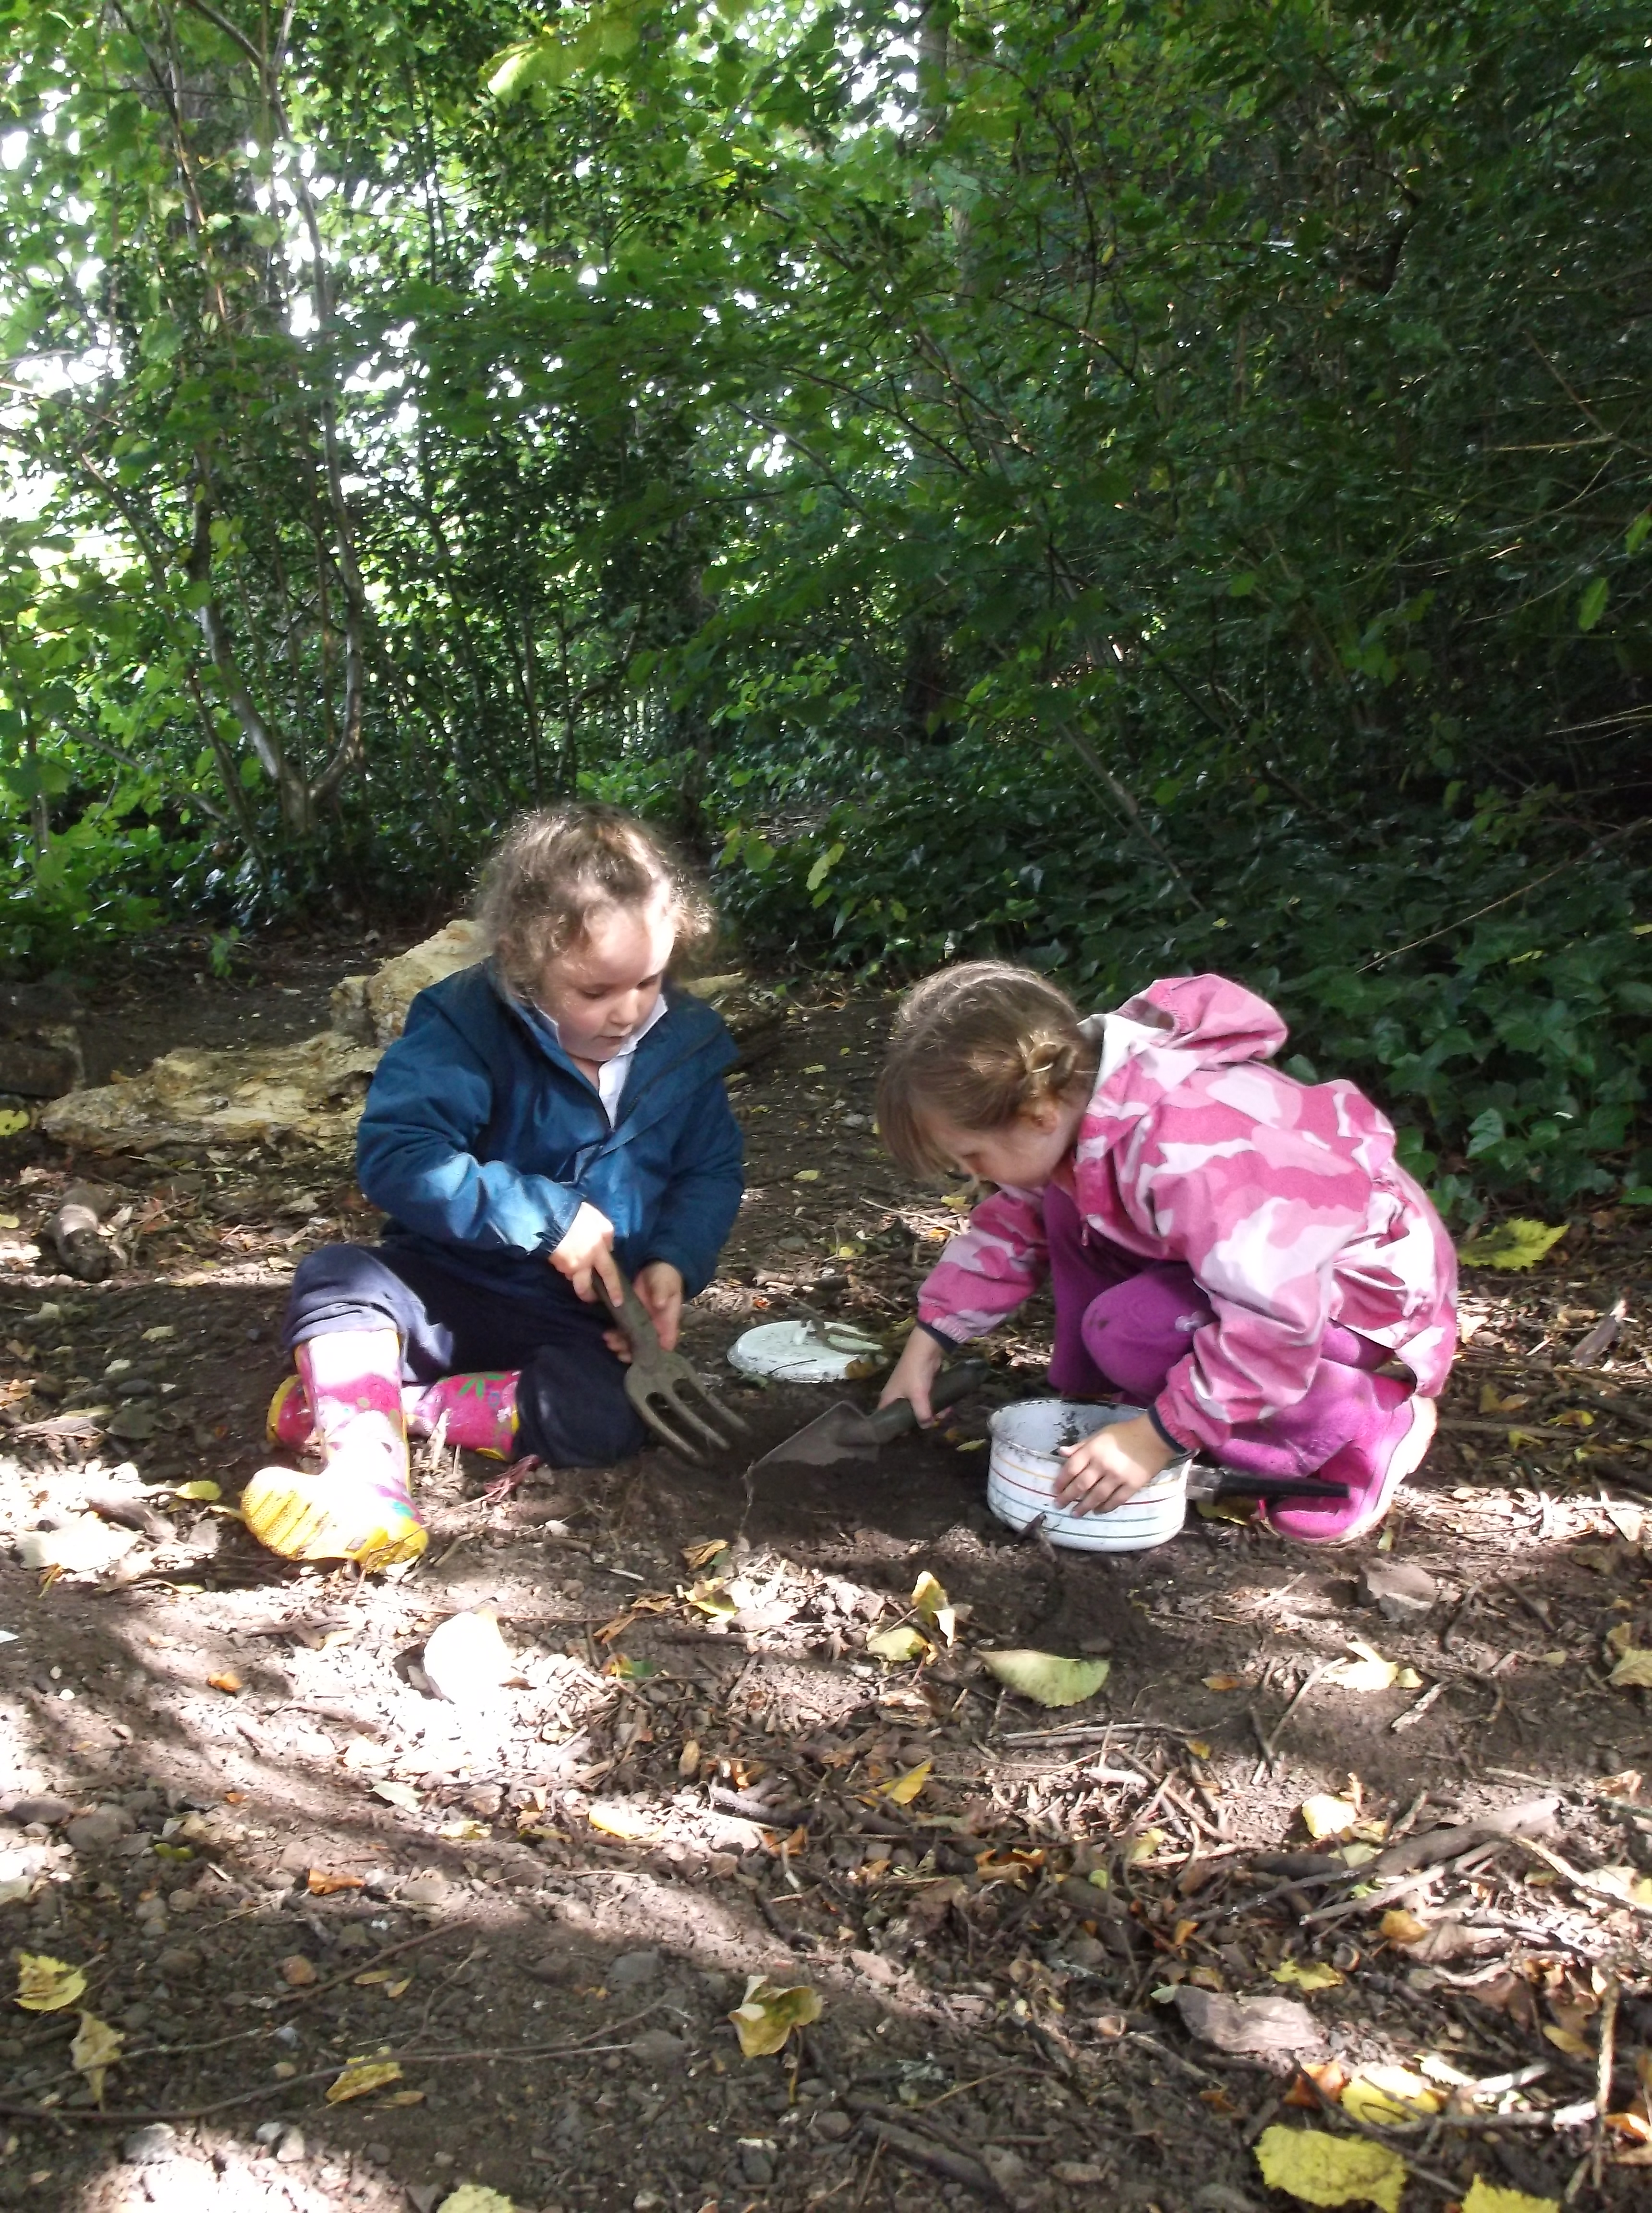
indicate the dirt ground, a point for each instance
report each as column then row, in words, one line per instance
column 1055, row 1951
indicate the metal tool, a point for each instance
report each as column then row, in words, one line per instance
column 665, row 1390
column 844, row 1432
column 1205, row 1482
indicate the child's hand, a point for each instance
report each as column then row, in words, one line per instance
column 1104, row 1470
column 914, row 1372
column 587, row 1252
column 660, row 1287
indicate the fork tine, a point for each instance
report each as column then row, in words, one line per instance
column 693, row 1396
column 682, row 1406
column 656, row 1410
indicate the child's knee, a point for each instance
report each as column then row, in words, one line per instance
column 1136, row 1331
column 573, row 1410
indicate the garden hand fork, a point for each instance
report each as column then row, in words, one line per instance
column 665, row 1390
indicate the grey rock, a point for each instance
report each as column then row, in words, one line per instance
column 658, row 2052
column 267, row 2131
column 149, row 2146
column 1008, row 2168
column 425, row 2197
column 833, row 2125
column 755, row 2165
column 425, row 1890
column 378, row 2154
column 98, row 1830
column 1399, row 1591
column 46, row 1809
column 1084, row 1951
column 631, row 1969
column 290, row 2149
column 179, row 1961
column 1221, row 2198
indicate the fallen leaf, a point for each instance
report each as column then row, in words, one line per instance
column 400, row 1990
column 1327, row 2170
column 1325, row 1816
column 905, row 1788
column 476, row 2198
column 1386, row 2095
column 297, row 1971
column 360, row 2076
column 202, row 1489
column 1224, row 1682
column 699, row 1556
column 1402, row 1928
column 320, row 1884
column 765, row 2017
column 1567, row 2040
column 1634, row 1670
column 1486, row 2197
column 897, row 1644
column 464, row 1829
column 1517, row 1243
column 1143, row 1847
column 45, row 1984
column 1370, row 1671
column 227, row 1682
column 931, row 1601
column 1317, row 2080
column 399, row 1793
column 1265, row 2024
column 708, row 1596
column 95, row 2049
column 688, row 1761
column 12, row 1119
column 1308, row 1974
column 160, row 1333
column 1198, row 1747
column 1046, row 1679
column 615, row 1819
column 806, row 1175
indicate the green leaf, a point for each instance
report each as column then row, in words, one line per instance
column 1514, row 1244
column 1593, row 605
column 1046, row 1679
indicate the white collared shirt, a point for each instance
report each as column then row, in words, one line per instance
column 613, row 1075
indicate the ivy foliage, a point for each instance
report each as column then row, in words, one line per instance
column 1139, row 487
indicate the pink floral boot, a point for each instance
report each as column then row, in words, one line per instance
column 480, row 1411
column 359, row 1507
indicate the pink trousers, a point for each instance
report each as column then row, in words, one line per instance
column 1123, row 1326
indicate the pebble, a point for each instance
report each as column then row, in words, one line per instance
column 833, row 2126
column 1399, row 1591
column 291, row 2149
column 99, row 1829
column 658, row 2050
column 1076, row 2171
column 22, row 1811
column 425, row 1890
column 149, row 2146
column 182, row 1960
column 631, row 1969
column 1008, row 2168
column 755, row 2165
column 378, row 2154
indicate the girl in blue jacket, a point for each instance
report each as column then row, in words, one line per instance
column 546, row 1120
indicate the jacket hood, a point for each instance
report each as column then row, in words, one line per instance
column 1219, row 1021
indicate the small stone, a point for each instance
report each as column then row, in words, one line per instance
column 833, row 2126
column 378, row 2154
column 658, row 2052
column 22, row 1811
column 647, row 2201
column 98, row 1830
column 1222, row 2198
column 631, row 1969
column 290, row 2149
column 720, row 1865
column 354, row 1937
column 179, row 1961
column 1008, row 2168
column 875, row 1968
column 755, row 2165
column 424, row 1889
column 266, row 2132
column 296, row 1971
column 1085, row 1951
column 424, row 2197
column 1077, row 2171
column 1399, row 1591
column 147, row 2146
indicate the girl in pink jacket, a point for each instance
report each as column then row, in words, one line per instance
column 1239, row 1251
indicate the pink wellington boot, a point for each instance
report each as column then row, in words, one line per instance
column 359, row 1507
column 1393, row 1445
column 480, row 1411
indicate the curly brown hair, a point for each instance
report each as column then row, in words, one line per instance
column 982, row 1044
column 559, row 866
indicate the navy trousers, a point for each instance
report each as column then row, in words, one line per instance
column 571, row 1405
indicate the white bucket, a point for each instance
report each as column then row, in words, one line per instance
column 1026, row 1465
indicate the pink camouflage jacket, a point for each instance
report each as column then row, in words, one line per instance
column 1283, row 1198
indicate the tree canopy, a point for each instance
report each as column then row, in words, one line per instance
column 1139, row 487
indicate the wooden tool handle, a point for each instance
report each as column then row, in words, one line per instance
column 632, row 1316
column 952, row 1384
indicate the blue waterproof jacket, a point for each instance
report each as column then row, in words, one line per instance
column 480, row 1137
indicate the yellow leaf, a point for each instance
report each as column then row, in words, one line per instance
column 1327, row 2170
column 1493, row 1402
column 765, row 2017
column 1099, row 1879
column 1485, row 2197
column 1143, row 1847
column 1223, row 1682
column 1402, row 1928
column 1634, row 1670
column 203, row 1489
column 1389, row 2095
column 12, row 1119
column 1308, row 1974
column 710, row 1597
column 631, row 1822
column 928, row 1596
column 462, row 1829
column 897, row 1644
column 1325, row 1816
column 400, row 1990
column 1046, row 1679
column 1567, row 2040
column 95, row 2049
column 398, row 1794
column 404, row 2097
column 806, row 1175
column 1517, row 1243
column 905, row 1788
column 698, row 1556
column 1198, row 1747
column 228, row 1683
column 45, row 1984
column 360, row 2076
column 476, row 2198
column 1368, row 1671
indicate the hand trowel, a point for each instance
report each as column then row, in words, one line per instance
column 844, row 1433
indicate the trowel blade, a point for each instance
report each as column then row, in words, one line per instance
column 843, row 1432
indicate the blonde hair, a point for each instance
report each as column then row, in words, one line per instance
column 560, row 866
column 982, row 1044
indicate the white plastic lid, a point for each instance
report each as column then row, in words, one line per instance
column 802, row 1351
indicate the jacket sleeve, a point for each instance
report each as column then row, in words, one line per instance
column 702, row 1195
column 1260, row 1213
column 430, row 1099
column 986, row 1272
